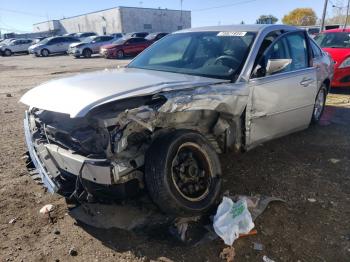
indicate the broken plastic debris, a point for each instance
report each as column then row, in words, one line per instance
column 251, row 233
column 311, row 200
column 258, row 246
column 334, row 160
column 232, row 219
column 266, row 259
column 13, row 220
column 47, row 209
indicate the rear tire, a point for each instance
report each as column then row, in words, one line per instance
column 320, row 104
column 183, row 174
column 45, row 53
column 87, row 53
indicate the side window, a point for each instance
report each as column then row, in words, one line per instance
column 140, row 40
column 104, row 38
column 316, row 51
column 290, row 48
column 298, row 51
column 53, row 41
column 130, row 41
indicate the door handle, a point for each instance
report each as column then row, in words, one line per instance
column 306, row 82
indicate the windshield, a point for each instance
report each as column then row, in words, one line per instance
column 334, row 40
column 44, row 41
column 150, row 36
column 210, row 54
column 88, row 40
column 119, row 41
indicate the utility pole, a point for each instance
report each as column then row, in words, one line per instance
column 347, row 15
column 324, row 14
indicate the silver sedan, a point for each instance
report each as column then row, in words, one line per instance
column 89, row 46
column 160, row 123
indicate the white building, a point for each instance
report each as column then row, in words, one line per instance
column 120, row 19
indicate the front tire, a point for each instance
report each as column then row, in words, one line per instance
column 320, row 104
column 8, row 52
column 120, row 54
column 183, row 174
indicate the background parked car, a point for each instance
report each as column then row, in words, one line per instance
column 70, row 34
column 16, row 46
column 84, row 35
column 38, row 39
column 336, row 42
column 91, row 45
column 5, row 42
column 153, row 37
column 117, row 35
column 125, row 47
column 136, row 34
column 52, row 45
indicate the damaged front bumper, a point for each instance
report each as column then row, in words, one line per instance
column 60, row 168
column 45, row 177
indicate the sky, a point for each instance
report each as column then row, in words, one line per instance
column 20, row 15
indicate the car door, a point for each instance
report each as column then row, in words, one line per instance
column 65, row 43
column 26, row 44
column 15, row 46
column 129, row 46
column 281, row 102
column 140, row 45
column 55, row 45
column 100, row 41
column 318, row 62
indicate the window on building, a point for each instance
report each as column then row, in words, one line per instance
column 179, row 27
column 147, row 26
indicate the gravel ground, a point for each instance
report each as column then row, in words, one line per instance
column 309, row 165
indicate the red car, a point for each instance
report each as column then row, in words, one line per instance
column 124, row 47
column 337, row 43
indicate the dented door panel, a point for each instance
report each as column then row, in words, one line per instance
column 279, row 105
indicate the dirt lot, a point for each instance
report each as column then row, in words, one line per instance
column 313, row 164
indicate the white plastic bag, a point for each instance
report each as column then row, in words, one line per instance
column 232, row 219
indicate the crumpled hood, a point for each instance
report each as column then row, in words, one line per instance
column 78, row 44
column 79, row 94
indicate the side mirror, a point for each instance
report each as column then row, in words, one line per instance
column 277, row 65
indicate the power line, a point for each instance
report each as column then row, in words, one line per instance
column 20, row 12
column 223, row 6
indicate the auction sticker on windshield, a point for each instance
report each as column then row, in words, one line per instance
column 232, row 34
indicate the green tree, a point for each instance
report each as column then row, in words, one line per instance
column 267, row 19
column 300, row 17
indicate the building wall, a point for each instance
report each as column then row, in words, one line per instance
column 47, row 26
column 154, row 20
column 120, row 19
column 102, row 22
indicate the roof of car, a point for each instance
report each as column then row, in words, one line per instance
column 238, row 28
column 337, row 30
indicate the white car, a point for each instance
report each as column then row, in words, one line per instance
column 52, row 45
column 91, row 45
column 16, row 46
